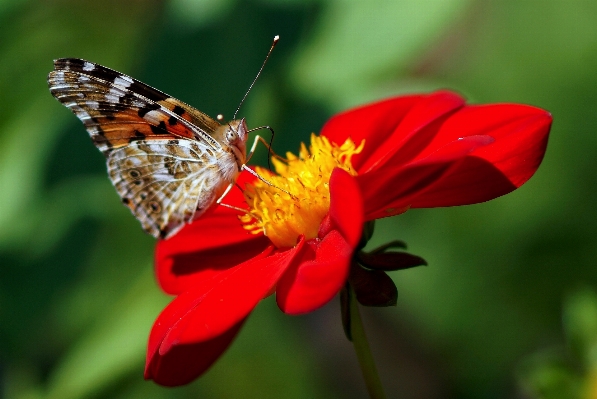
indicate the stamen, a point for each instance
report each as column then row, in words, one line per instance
column 294, row 201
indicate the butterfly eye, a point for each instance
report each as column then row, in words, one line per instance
column 231, row 136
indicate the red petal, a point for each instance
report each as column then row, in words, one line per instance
column 214, row 307
column 520, row 133
column 371, row 122
column 346, row 207
column 390, row 191
column 415, row 131
column 314, row 279
column 205, row 247
column 402, row 125
column 209, row 245
column 183, row 363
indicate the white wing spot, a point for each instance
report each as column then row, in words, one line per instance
column 114, row 95
column 88, row 66
column 82, row 115
column 153, row 117
column 93, row 104
column 123, row 81
column 112, row 98
column 64, row 86
column 59, row 77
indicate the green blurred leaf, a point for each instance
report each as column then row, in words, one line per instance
column 195, row 14
column 580, row 324
column 359, row 44
column 8, row 6
column 113, row 347
column 19, row 169
column 544, row 376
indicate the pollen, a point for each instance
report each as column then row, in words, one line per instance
column 294, row 200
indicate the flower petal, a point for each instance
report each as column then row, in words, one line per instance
column 206, row 246
column 416, row 130
column 520, row 133
column 183, row 363
column 213, row 243
column 401, row 125
column 479, row 153
column 346, row 207
column 390, row 191
column 217, row 305
column 369, row 122
column 317, row 276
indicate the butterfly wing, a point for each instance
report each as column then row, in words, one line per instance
column 166, row 183
column 161, row 155
column 117, row 109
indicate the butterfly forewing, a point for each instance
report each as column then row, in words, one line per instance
column 117, row 109
column 165, row 158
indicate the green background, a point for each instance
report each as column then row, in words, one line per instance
column 484, row 320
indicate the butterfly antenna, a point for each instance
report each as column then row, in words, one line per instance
column 276, row 38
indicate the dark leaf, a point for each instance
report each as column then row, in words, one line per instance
column 390, row 261
column 373, row 287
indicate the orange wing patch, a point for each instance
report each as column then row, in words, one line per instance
column 117, row 109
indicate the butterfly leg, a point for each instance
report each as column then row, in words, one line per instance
column 257, row 175
column 258, row 138
column 219, row 200
column 263, row 179
column 254, row 146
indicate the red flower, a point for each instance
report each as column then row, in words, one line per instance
column 418, row 151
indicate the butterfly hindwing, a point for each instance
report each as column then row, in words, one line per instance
column 165, row 183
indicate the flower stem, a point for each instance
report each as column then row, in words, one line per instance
column 361, row 347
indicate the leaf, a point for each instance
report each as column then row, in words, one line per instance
column 390, row 261
column 357, row 44
column 373, row 287
column 580, row 324
column 192, row 13
column 113, row 347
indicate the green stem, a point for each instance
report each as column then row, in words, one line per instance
column 361, row 347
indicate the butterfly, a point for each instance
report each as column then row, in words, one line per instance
column 168, row 161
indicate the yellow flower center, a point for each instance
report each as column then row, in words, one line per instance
column 299, row 195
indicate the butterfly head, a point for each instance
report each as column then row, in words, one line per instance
column 235, row 137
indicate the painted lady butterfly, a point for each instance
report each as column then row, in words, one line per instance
column 168, row 161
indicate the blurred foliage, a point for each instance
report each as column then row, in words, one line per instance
column 77, row 298
column 570, row 372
